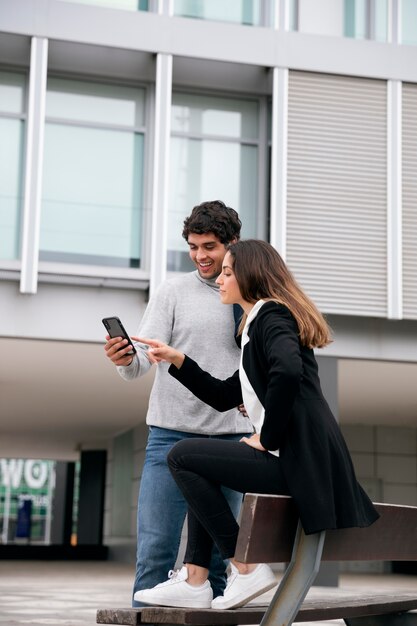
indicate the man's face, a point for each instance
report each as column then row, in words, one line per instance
column 207, row 253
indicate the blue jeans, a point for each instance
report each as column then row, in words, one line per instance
column 161, row 514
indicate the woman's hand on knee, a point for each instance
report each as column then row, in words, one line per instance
column 253, row 442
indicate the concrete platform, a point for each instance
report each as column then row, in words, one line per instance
column 68, row 593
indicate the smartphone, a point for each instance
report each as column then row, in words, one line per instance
column 115, row 328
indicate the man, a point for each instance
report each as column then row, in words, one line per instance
column 185, row 311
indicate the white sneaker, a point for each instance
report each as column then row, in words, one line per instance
column 177, row 592
column 241, row 588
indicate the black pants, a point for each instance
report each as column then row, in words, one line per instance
column 200, row 467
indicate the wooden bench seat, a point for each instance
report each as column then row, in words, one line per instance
column 367, row 604
column 270, row 532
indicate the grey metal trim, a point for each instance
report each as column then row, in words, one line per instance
column 34, row 163
column 12, row 275
column 394, row 201
column 96, row 271
column 370, row 19
column 279, row 134
column 90, row 281
column 98, row 79
column 148, row 178
column 266, row 13
column 223, row 138
column 263, row 178
column 13, row 116
column 163, row 97
column 99, row 126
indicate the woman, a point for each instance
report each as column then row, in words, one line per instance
column 297, row 448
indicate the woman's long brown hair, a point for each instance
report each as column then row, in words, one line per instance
column 262, row 275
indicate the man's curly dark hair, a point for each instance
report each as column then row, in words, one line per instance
column 213, row 217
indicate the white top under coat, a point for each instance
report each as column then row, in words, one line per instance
column 253, row 406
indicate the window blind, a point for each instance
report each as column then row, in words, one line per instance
column 336, row 202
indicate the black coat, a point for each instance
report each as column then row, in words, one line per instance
column 298, row 421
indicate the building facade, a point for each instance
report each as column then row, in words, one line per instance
column 116, row 118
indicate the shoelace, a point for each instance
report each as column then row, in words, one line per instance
column 173, row 574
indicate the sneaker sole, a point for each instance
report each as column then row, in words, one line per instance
column 241, row 600
column 185, row 604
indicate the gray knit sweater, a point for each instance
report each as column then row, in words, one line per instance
column 187, row 314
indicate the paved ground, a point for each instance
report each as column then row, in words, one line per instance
column 69, row 593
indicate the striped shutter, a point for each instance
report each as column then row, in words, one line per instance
column 409, row 140
column 337, row 198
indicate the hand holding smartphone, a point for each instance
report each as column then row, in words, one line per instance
column 115, row 328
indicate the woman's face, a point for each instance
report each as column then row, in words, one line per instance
column 229, row 288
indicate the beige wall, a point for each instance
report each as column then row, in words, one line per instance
column 385, row 460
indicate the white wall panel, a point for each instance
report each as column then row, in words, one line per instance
column 410, row 201
column 337, row 198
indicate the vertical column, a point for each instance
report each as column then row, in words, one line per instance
column 34, row 159
column 91, row 497
column 370, row 20
column 63, row 503
column 281, row 18
column 161, row 151
column 394, row 21
column 164, row 7
column 278, row 235
column 394, row 200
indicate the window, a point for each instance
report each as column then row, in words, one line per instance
column 409, row 22
column 12, row 109
column 355, row 19
column 214, row 156
column 238, row 11
column 292, row 14
column 93, row 166
column 366, row 19
column 26, row 496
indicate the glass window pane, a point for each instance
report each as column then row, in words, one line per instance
column 209, row 170
column 210, row 115
column 293, row 15
column 11, row 151
column 240, row 11
column 355, row 19
column 409, row 22
column 12, row 92
column 381, row 20
column 92, row 190
column 132, row 5
column 94, row 102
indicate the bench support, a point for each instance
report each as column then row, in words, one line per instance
column 297, row 580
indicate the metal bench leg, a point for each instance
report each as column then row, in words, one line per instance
column 297, row 580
